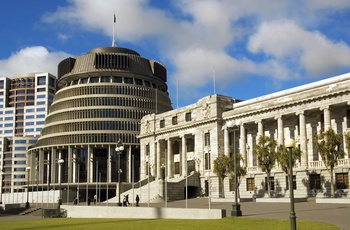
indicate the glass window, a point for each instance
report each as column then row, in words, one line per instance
column 207, row 161
column 41, row 96
column 174, row 120
column 138, row 81
column 9, row 112
column 315, row 181
column 8, row 118
column 20, row 141
column 118, row 79
column 1, row 84
column 40, row 89
column 42, row 80
column 94, row 79
column 188, row 116
column 52, row 81
column 128, row 80
column 207, row 139
column 250, row 184
column 162, row 123
column 342, row 180
column 40, row 102
column 30, row 117
column 40, row 109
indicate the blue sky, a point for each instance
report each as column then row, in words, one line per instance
column 252, row 47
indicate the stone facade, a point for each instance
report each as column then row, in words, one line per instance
column 186, row 137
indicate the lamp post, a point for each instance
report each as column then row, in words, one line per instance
column 166, row 190
column 119, row 149
column 28, row 170
column 60, row 162
column 290, row 144
column 236, row 207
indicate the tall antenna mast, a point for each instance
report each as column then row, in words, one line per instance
column 114, row 22
column 214, row 79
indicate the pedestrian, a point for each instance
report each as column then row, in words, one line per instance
column 127, row 199
column 137, row 200
column 75, row 201
column 88, row 201
column 95, row 199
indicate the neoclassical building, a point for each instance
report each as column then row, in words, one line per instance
column 189, row 139
column 101, row 97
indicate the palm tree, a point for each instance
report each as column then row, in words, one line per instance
column 283, row 157
column 328, row 145
column 265, row 152
column 221, row 169
column 241, row 170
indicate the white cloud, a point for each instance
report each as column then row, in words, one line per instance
column 30, row 60
column 309, row 50
column 277, row 39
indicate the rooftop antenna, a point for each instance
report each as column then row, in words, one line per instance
column 214, row 80
column 114, row 22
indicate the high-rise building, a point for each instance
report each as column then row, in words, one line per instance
column 101, row 97
column 24, row 103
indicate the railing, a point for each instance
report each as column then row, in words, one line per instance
column 320, row 164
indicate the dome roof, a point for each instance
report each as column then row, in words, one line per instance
column 111, row 49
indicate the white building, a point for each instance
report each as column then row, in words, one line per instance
column 191, row 138
column 24, row 104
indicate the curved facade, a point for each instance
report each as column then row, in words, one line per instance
column 101, row 98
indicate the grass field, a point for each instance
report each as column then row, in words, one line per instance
column 161, row 224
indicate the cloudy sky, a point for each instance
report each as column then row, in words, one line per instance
column 248, row 48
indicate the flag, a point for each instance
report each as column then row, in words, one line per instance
column 115, row 18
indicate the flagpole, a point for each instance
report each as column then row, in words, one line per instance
column 214, row 79
column 114, row 21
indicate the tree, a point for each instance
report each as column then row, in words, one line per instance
column 221, row 169
column 241, row 170
column 328, row 145
column 265, row 152
column 283, row 157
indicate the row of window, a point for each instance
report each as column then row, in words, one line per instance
column 88, row 126
column 104, row 101
column 97, row 113
column 119, row 79
column 341, row 182
column 103, row 89
column 89, row 138
column 174, row 120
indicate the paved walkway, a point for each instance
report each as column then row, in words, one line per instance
column 337, row 214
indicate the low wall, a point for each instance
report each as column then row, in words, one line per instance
column 333, row 200
column 141, row 212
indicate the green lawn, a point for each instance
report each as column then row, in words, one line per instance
column 161, row 224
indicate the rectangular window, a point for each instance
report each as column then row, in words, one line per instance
column 41, row 89
column 118, row 79
column 177, row 167
column 147, row 150
column 207, row 139
column 342, row 180
column 138, row 81
column 315, row 181
column 174, row 120
column 41, row 96
column 8, row 118
column 294, row 182
column 1, row 84
column 42, row 80
column 207, row 161
column 128, row 80
column 162, row 123
column 250, row 184
column 52, row 81
column 188, row 116
column 272, row 182
column 9, row 112
column 190, row 145
column 30, row 117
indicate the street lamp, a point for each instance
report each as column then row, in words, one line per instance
column 28, row 170
column 166, row 189
column 290, row 144
column 60, row 162
column 236, row 207
column 119, row 149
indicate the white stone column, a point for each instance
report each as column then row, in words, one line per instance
column 280, row 132
column 169, row 159
column 303, row 139
column 53, row 164
column 109, row 163
column 183, row 156
column 129, row 163
column 327, row 117
column 242, row 143
column 41, row 166
column 226, row 141
column 90, row 167
column 74, row 165
column 70, row 168
column 159, row 170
